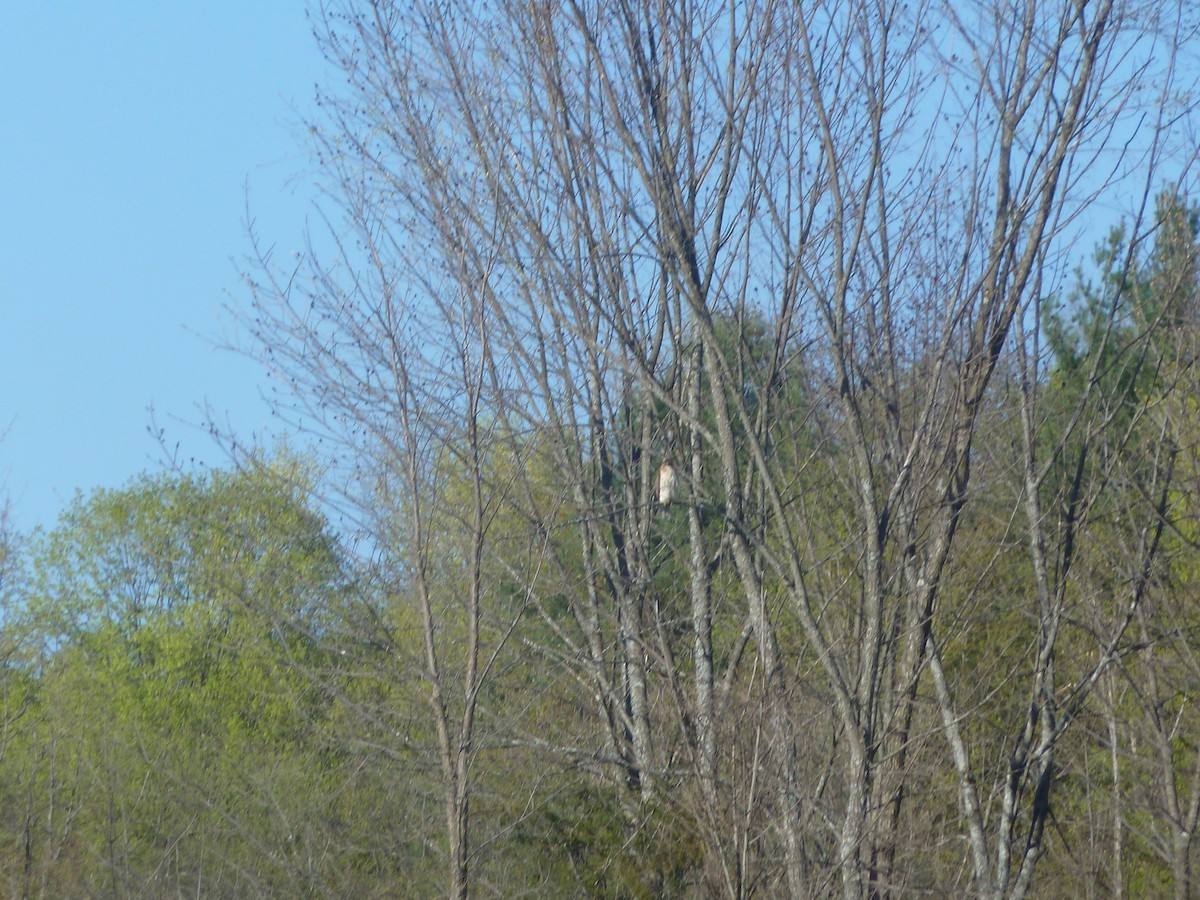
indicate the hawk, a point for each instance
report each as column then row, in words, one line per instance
column 664, row 484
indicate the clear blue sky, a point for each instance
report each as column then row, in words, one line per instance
column 129, row 135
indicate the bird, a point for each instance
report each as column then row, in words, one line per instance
column 664, row 484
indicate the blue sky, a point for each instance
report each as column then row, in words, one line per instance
column 132, row 137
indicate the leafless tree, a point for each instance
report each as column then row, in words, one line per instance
column 568, row 221
column 396, row 370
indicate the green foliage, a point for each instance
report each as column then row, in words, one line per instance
column 583, row 842
column 177, row 622
column 1119, row 329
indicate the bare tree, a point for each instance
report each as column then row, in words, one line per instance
column 396, row 371
column 787, row 248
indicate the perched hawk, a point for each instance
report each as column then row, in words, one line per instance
column 664, row 485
